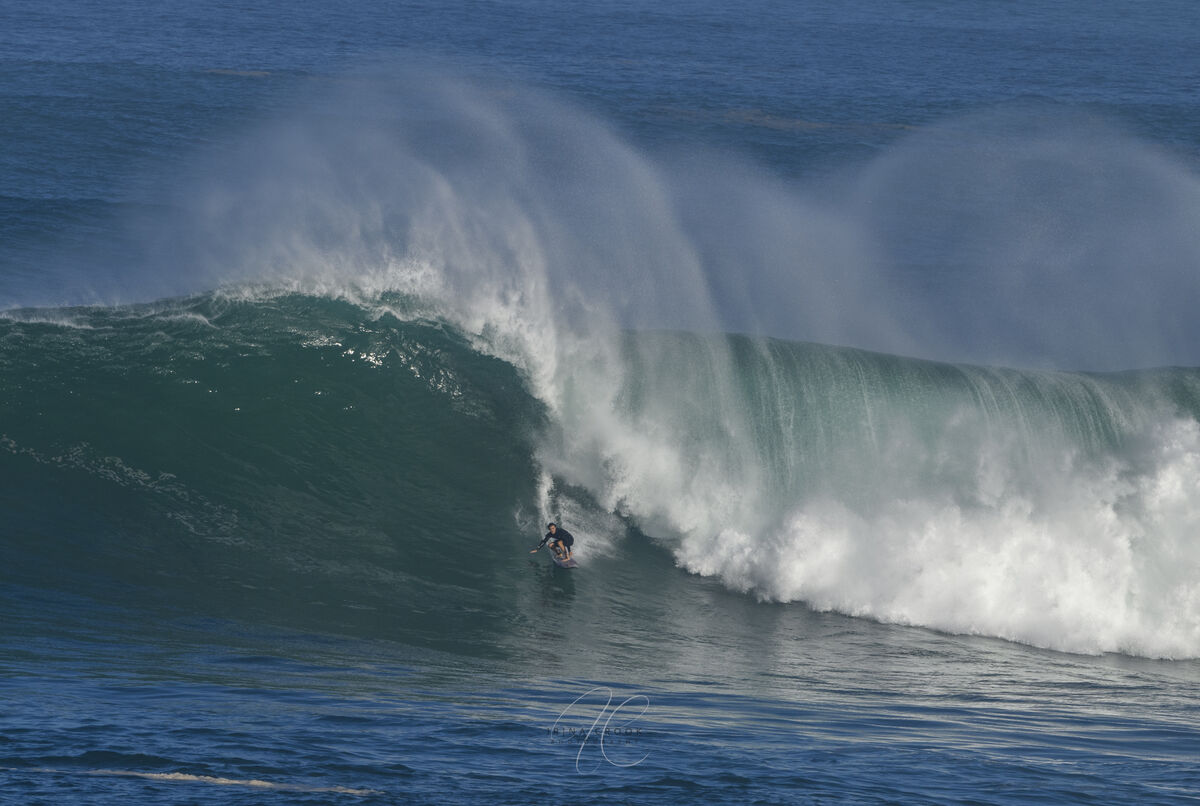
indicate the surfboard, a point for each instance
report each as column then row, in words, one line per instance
column 561, row 563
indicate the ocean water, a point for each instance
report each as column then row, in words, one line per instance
column 855, row 343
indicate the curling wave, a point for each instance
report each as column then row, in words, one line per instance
column 302, row 450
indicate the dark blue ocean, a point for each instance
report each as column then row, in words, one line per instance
column 855, row 343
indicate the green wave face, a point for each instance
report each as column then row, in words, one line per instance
column 291, row 458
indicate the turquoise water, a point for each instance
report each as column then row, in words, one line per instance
column 855, row 345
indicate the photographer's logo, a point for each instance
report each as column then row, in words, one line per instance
column 607, row 730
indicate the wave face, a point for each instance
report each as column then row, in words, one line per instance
column 282, row 458
column 282, row 453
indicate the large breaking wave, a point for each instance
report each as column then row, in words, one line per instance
column 499, row 310
column 318, row 451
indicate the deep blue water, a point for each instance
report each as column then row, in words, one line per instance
column 854, row 342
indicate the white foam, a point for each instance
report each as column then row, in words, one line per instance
column 58, row 318
column 1080, row 558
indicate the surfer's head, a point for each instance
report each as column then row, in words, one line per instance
column 552, row 526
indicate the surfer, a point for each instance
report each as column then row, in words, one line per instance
column 560, row 541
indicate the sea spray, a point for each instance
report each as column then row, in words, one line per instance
column 1034, row 234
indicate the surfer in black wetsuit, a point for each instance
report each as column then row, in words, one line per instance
column 560, row 541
